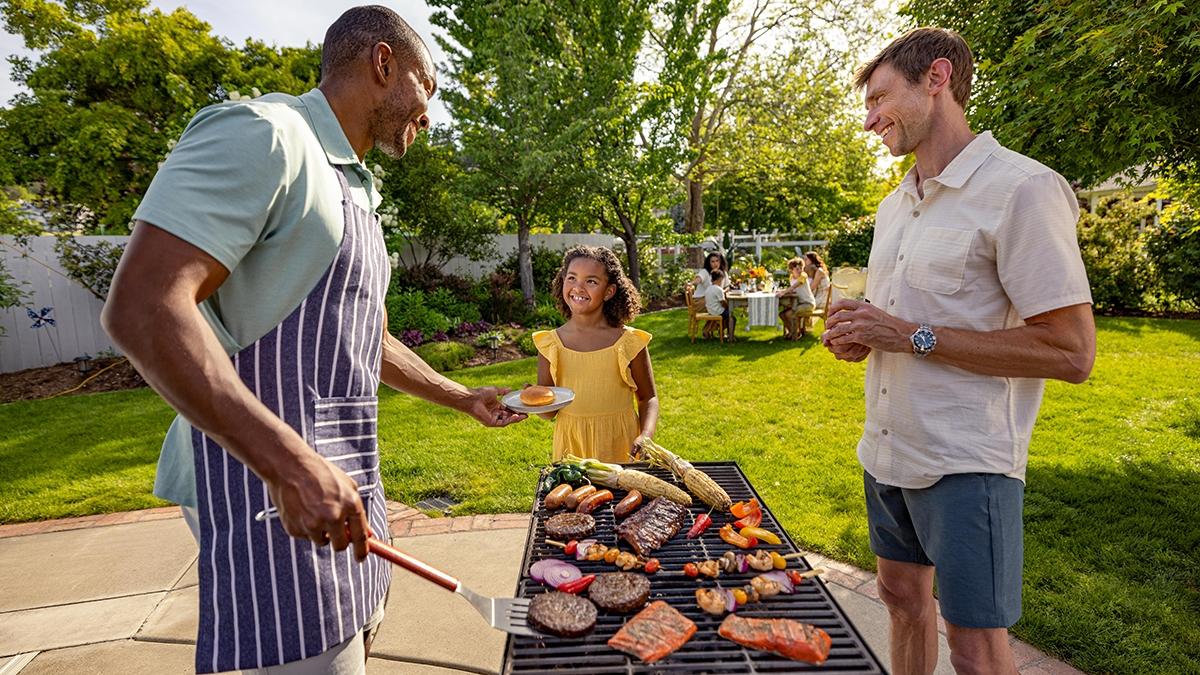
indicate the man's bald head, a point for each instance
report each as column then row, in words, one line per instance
column 360, row 28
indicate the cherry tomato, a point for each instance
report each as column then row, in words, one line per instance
column 569, row 549
column 691, row 570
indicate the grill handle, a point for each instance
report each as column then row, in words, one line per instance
column 412, row 564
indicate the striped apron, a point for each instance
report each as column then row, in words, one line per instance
column 266, row 598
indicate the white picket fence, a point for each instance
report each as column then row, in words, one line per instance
column 66, row 321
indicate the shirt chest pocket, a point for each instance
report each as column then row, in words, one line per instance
column 938, row 260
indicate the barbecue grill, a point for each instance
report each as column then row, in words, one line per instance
column 706, row 652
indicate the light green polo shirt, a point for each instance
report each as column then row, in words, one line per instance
column 251, row 184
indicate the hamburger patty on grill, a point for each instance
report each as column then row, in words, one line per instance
column 621, row 592
column 568, row 526
column 562, row 614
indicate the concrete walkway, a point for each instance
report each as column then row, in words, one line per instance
column 117, row 594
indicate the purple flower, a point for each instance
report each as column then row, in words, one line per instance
column 440, row 336
column 411, row 338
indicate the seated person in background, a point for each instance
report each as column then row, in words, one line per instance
column 796, row 301
column 713, row 261
column 715, row 303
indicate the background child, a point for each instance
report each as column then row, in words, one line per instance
column 715, row 303
column 602, row 360
column 796, row 302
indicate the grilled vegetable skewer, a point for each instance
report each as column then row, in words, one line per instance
column 594, row 551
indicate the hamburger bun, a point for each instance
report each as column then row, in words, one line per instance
column 537, row 396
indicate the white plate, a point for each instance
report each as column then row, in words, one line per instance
column 562, row 398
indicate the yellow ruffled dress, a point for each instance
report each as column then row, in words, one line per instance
column 602, row 421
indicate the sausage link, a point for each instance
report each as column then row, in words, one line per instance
column 555, row 499
column 628, row 504
column 593, row 500
column 573, row 499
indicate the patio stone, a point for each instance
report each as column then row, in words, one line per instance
column 76, row 624
column 128, row 657
column 447, row 629
column 89, row 564
column 175, row 619
column 871, row 620
column 389, row 667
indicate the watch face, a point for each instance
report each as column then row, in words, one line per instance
column 923, row 340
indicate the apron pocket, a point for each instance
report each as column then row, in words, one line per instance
column 344, row 432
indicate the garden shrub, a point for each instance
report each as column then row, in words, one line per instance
column 1118, row 268
column 850, row 242
column 1174, row 246
column 445, row 302
column 429, row 278
column 661, row 284
column 525, row 344
column 545, row 264
column 408, row 311
column 502, row 301
column 444, row 356
column 544, row 315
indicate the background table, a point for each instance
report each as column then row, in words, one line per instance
column 762, row 309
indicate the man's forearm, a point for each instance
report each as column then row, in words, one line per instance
column 405, row 371
column 1027, row 351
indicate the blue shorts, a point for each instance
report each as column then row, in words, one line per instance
column 968, row 527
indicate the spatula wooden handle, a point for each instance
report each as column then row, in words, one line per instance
column 412, row 564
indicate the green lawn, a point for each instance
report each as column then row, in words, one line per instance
column 1112, row 531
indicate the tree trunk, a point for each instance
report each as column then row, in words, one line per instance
column 694, row 220
column 629, row 236
column 525, row 260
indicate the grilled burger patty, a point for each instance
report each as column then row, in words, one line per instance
column 562, row 614
column 568, row 526
column 621, row 592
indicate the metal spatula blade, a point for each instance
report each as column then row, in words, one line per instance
column 507, row 614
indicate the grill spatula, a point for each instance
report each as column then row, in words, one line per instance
column 506, row 614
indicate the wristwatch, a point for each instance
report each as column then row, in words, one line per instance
column 923, row 341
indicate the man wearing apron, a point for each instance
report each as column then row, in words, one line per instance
column 251, row 297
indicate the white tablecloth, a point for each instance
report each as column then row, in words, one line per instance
column 762, row 309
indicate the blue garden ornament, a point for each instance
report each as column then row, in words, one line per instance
column 42, row 318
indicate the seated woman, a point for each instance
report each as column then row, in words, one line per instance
column 797, row 301
column 818, row 281
column 703, row 278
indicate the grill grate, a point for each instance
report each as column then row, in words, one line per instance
column 706, row 652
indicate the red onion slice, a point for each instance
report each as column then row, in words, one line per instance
column 560, row 573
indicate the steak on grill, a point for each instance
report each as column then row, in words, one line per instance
column 568, row 526
column 620, row 592
column 653, row 525
column 654, row 633
column 562, row 614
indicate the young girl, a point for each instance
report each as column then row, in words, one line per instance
column 601, row 359
column 796, row 301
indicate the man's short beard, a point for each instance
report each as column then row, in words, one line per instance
column 395, row 146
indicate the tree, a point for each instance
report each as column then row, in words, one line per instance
column 116, row 84
column 811, row 165
column 706, row 48
column 1093, row 88
column 428, row 219
column 518, row 118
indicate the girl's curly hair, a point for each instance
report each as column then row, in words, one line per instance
column 623, row 306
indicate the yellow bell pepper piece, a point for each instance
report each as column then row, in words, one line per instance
column 760, row 534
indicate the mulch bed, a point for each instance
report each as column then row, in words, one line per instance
column 36, row 383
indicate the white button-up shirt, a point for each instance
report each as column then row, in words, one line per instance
column 993, row 242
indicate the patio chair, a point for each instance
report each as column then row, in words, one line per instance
column 696, row 317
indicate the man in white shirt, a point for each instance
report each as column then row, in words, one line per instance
column 976, row 293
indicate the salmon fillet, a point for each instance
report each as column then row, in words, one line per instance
column 654, row 633
column 785, row 637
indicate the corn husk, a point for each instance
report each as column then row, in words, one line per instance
column 617, row 476
column 696, row 481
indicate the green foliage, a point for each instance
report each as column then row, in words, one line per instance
column 409, row 310
column 91, row 265
column 544, row 315
column 1090, row 87
column 115, row 85
column 444, row 302
column 525, row 344
column 545, row 264
column 427, row 215
column 658, row 285
column 850, row 242
column 1117, row 266
column 444, row 356
column 1175, row 248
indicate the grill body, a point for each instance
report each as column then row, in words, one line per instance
column 706, row 652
